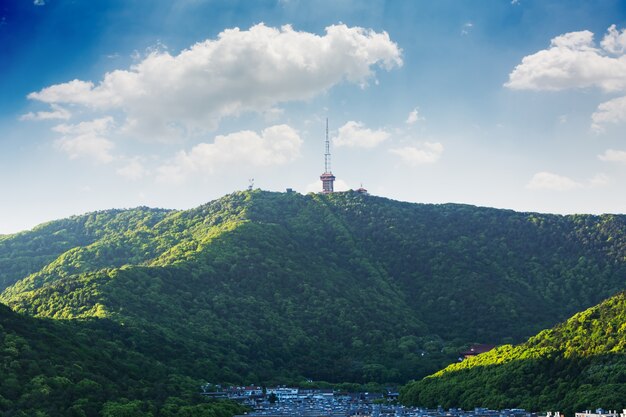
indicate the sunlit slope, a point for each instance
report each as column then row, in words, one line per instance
column 577, row 365
column 251, row 298
column 24, row 253
column 341, row 287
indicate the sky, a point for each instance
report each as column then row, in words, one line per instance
column 516, row 104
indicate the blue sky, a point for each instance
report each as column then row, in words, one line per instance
column 110, row 104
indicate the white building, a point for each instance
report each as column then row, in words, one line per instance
column 602, row 413
column 283, row 393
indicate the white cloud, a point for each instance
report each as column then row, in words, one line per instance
column 276, row 145
column 133, row 170
column 550, row 181
column 86, row 140
column 572, row 61
column 413, row 117
column 166, row 96
column 57, row 112
column 96, row 148
column 612, row 111
column 39, row 2
column 611, row 155
column 614, row 41
column 426, row 153
column 575, row 61
column 355, row 135
column 75, row 91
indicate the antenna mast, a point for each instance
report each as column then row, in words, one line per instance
column 327, row 177
column 327, row 153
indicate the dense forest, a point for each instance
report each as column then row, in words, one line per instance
column 281, row 287
column 577, row 365
column 94, row 368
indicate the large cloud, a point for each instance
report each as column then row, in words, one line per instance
column 167, row 96
column 276, row 145
column 575, row 61
column 356, row 135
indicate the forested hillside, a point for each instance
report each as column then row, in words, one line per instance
column 274, row 287
column 94, row 368
column 29, row 252
column 577, row 365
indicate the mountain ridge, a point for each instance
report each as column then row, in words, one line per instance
column 283, row 287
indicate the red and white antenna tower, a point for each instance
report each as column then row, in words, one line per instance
column 327, row 177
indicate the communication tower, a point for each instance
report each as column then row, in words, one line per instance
column 327, row 177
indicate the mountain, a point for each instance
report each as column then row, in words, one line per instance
column 90, row 368
column 577, row 365
column 281, row 287
column 28, row 252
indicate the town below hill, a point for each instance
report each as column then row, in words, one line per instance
column 283, row 401
column 304, row 402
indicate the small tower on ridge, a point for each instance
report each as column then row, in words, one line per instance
column 327, row 177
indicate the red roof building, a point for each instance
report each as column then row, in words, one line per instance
column 476, row 350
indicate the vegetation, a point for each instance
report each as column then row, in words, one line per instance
column 279, row 288
column 28, row 252
column 87, row 368
column 577, row 365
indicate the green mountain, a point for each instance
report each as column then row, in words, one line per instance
column 275, row 287
column 93, row 368
column 577, row 365
column 28, row 252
